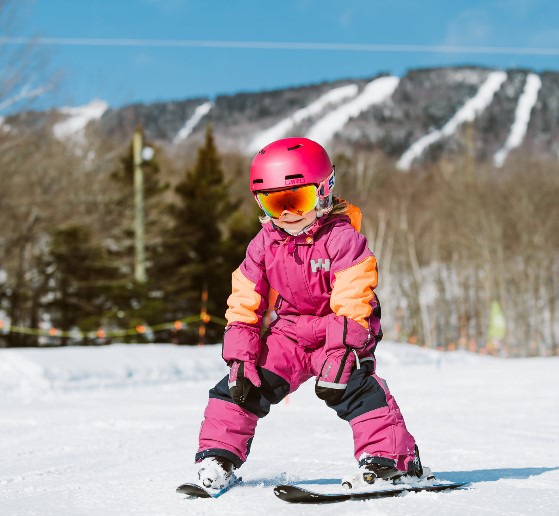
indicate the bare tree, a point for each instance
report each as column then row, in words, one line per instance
column 24, row 67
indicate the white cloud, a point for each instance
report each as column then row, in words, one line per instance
column 143, row 59
column 520, row 8
column 345, row 18
column 470, row 27
column 168, row 6
column 544, row 38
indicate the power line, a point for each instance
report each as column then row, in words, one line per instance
column 280, row 45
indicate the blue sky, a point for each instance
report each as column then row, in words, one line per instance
column 123, row 75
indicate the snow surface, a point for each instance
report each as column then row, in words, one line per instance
column 283, row 127
column 376, row 92
column 113, row 430
column 526, row 102
column 468, row 112
column 78, row 118
column 200, row 112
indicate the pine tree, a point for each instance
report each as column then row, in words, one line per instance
column 193, row 255
column 81, row 278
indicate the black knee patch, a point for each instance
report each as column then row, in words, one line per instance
column 273, row 389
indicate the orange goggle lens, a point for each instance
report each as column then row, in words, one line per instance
column 299, row 200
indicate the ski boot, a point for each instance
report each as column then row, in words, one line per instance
column 216, row 472
column 373, row 469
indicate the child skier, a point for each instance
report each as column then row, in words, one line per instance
column 323, row 275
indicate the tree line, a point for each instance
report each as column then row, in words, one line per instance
column 468, row 253
column 458, row 242
column 67, row 241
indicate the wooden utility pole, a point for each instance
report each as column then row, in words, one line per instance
column 139, row 215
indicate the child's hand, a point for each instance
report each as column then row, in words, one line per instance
column 242, row 377
column 334, row 374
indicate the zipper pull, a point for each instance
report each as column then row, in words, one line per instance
column 291, row 245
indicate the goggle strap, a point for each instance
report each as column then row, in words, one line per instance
column 325, row 188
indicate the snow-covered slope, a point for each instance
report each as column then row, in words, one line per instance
column 283, row 127
column 77, row 119
column 415, row 117
column 466, row 113
column 526, row 103
column 200, row 112
column 35, row 372
column 375, row 92
column 113, row 430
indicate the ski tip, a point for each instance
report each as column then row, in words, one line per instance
column 197, row 491
column 193, row 490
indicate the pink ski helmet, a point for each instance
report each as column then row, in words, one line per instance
column 292, row 162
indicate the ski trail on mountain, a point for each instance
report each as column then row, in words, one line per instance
column 283, row 127
column 375, row 92
column 200, row 112
column 468, row 112
column 78, row 118
column 526, row 103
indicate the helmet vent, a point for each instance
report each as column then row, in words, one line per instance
column 255, row 181
column 295, row 147
column 295, row 176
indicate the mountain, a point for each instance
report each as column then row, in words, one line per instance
column 414, row 118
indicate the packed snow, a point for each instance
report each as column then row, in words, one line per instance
column 200, row 112
column 283, row 127
column 526, row 103
column 77, row 119
column 376, row 92
column 113, row 430
column 468, row 112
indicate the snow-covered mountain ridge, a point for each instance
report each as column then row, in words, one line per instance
column 412, row 118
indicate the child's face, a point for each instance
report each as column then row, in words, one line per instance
column 294, row 223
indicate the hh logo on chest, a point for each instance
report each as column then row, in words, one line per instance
column 316, row 265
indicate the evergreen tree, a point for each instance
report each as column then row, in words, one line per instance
column 241, row 229
column 81, row 278
column 194, row 254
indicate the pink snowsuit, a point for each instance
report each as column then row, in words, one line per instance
column 327, row 314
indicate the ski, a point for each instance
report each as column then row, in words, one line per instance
column 296, row 494
column 198, row 491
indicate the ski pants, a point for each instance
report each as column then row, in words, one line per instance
column 377, row 424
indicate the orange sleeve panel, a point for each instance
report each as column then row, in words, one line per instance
column 353, row 291
column 243, row 301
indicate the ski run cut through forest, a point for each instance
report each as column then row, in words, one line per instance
column 113, row 430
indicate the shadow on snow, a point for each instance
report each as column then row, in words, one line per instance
column 478, row 475
column 492, row 475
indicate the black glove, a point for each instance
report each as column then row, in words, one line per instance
column 242, row 377
column 334, row 374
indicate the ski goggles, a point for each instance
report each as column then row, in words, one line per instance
column 299, row 200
